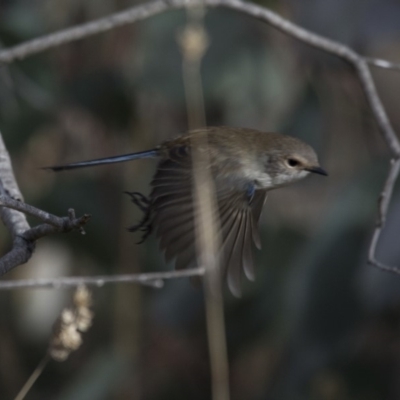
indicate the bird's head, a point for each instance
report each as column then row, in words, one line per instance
column 289, row 159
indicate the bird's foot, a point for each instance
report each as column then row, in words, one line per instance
column 139, row 200
column 145, row 224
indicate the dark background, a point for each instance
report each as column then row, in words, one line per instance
column 318, row 323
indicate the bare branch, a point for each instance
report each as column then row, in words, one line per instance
column 15, row 221
column 7, row 201
column 147, row 10
column 384, row 201
column 68, row 35
column 24, row 240
column 154, row 279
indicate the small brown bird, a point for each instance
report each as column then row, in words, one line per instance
column 244, row 164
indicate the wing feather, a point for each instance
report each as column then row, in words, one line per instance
column 173, row 219
column 247, row 258
column 257, row 205
column 233, row 247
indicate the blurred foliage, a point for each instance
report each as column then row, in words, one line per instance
column 318, row 323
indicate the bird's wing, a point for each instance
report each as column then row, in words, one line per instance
column 239, row 217
column 173, row 219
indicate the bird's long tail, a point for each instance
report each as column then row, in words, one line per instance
column 106, row 160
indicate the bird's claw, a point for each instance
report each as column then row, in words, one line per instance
column 139, row 200
column 144, row 225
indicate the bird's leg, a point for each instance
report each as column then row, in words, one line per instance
column 144, row 205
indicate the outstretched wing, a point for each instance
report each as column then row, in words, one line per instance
column 173, row 219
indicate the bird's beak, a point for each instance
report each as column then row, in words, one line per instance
column 317, row 170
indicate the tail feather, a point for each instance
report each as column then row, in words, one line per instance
column 106, row 160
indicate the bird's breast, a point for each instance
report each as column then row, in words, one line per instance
column 261, row 179
column 239, row 169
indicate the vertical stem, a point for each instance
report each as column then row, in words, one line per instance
column 32, row 379
column 194, row 45
column 127, row 320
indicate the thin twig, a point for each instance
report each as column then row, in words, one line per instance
column 7, row 201
column 53, row 223
column 33, row 378
column 384, row 201
column 154, row 279
column 24, row 237
column 378, row 62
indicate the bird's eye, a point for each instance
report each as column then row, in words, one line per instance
column 292, row 162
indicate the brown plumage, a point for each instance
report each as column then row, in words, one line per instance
column 244, row 164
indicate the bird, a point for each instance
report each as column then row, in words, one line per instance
column 244, row 164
